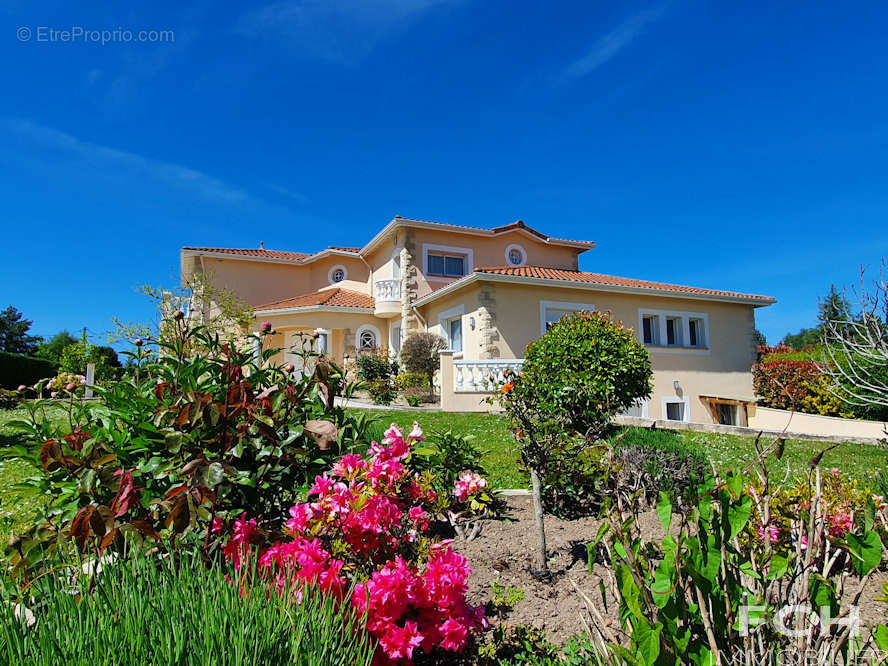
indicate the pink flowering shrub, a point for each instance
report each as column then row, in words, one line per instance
column 366, row 521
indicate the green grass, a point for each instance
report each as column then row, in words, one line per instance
column 859, row 461
column 501, row 458
column 18, row 507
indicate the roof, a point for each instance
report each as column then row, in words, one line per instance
column 599, row 281
column 331, row 298
column 261, row 253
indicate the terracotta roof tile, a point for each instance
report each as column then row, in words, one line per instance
column 343, row 249
column 338, row 298
column 611, row 280
column 518, row 224
column 260, row 253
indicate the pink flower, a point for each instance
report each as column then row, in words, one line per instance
column 70, row 386
column 216, row 525
column 835, row 471
column 53, row 394
column 454, row 635
column 804, row 541
column 769, row 533
column 468, row 483
column 840, row 524
column 265, row 327
column 322, row 485
column 416, row 434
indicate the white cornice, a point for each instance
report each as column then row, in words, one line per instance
column 313, row 308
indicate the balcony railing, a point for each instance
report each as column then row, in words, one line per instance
column 388, row 291
column 482, row 376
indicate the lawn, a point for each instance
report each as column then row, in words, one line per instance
column 501, row 458
column 859, row 461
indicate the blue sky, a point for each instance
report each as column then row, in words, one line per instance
column 734, row 146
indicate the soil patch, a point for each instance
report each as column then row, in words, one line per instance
column 504, row 551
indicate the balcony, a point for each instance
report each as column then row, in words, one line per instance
column 387, row 295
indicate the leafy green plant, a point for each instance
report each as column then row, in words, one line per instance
column 575, row 378
column 409, row 380
column 504, row 598
column 172, row 611
column 447, row 454
column 375, row 366
column 420, row 353
column 519, row 644
column 697, row 596
column 382, row 391
column 414, row 396
column 202, row 430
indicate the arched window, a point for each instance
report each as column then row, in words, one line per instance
column 367, row 341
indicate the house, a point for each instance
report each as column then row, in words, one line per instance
column 490, row 292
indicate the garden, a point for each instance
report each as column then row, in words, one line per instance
column 210, row 506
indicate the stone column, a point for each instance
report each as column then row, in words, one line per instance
column 489, row 332
column 447, row 397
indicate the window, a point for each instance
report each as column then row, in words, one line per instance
column 447, row 266
column 676, row 409
column 673, row 331
column 639, row 409
column 451, row 327
column 395, row 337
column 727, row 414
column 322, row 344
column 551, row 312
column 650, row 326
column 515, row 255
column 455, row 333
column 337, row 274
column 367, row 338
column 686, row 332
column 695, row 333
column 443, row 263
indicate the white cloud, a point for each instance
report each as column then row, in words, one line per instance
column 335, row 30
column 610, row 46
column 119, row 161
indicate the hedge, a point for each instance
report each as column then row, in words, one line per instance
column 17, row 369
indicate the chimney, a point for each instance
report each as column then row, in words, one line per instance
column 261, row 245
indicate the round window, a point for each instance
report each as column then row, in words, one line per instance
column 515, row 257
column 367, row 341
column 338, row 275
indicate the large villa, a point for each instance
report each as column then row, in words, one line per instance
column 490, row 292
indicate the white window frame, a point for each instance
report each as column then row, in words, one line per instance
column 684, row 332
column 444, row 320
column 360, row 331
column 466, row 252
column 686, row 401
column 396, row 325
column 561, row 305
column 335, row 268
column 317, row 345
column 645, row 410
column 515, row 246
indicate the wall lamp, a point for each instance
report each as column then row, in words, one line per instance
column 676, row 385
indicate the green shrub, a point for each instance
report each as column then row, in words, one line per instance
column 382, row 391
column 146, row 613
column 409, row 380
column 9, row 399
column 16, row 370
column 420, row 353
column 373, row 366
column 638, row 460
column 413, row 397
column 583, row 371
column 447, row 454
column 197, row 432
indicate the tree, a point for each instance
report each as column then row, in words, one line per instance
column 856, row 349
column 583, row 371
column 804, row 338
column 759, row 338
column 420, row 353
column 51, row 349
column 14, row 336
column 834, row 307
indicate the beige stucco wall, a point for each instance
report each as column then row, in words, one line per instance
column 722, row 370
column 343, row 327
column 259, row 282
column 764, row 418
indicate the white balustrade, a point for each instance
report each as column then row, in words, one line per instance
column 388, row 290
column 483, row 375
